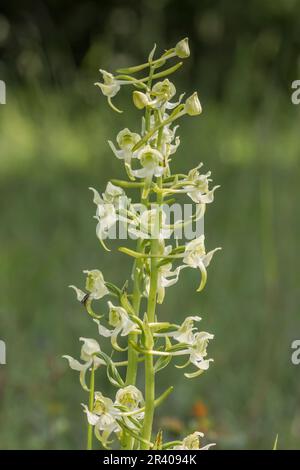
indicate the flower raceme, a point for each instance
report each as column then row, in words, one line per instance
column 129, row 322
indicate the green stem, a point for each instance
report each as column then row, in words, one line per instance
column 138, row 264
column 91, row 404
column 149, row 366
column 136, row 300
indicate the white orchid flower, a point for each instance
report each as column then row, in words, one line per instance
column 95, row 284
column 166, row 278
column 88, row 353
column 111, row 195
column 130, row 397
column 126, row 141
column 197, row 187
column 150, row 159
column 145, row 225
column 196, row 257
column 163, row 93
column 106, row 414
column 120, row 321
column 192, row 442
column 107, row 217
column 103, row 417
column 189, row 343
column 159, row 97
column 110, row 208
column 185, row 333
column 198, row 352
column 110, row 85
column 169, row 142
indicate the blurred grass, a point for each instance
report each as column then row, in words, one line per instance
column 52, row 147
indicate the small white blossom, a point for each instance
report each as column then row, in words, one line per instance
column 198, row 350
column 110, row 208
column 146, row 226
column 192, row 442
column 150, row 159
column 88, row 353
column 106, row 414
column 103, row 417
column 112, row 195
column 185, row 333
column 130, row 397
column 163, row 93
column 110, row 85
column 158, row 98
column 126, row 141
column 197, row 187
column 196, row 257
column 120, row 321
column 95, row 284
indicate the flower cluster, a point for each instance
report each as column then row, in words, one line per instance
column 129, row 320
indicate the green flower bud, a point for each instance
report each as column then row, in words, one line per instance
column 192, row 105
column 182, row 49
column 140, row 99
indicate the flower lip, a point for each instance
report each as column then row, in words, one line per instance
column 150, row 158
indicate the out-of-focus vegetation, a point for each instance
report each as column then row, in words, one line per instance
column 53, row 133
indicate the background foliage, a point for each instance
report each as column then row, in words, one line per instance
column 53, row 131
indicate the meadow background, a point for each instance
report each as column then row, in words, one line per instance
column 53, row 146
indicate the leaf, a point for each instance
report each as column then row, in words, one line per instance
column 126, row 304
column 112, row 371
column 163, row 396
column 113, row 289
column 161, row 363
column 275, row 443
column 133, row 434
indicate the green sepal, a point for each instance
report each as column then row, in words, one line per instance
column 113, row 289
column 111, row 370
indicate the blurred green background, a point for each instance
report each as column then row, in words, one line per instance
column 53, row 133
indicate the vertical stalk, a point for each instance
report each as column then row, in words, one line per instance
column 132, row 354
column 131, row 372
column 149, row 367
column 136, row 301
column 91, row 404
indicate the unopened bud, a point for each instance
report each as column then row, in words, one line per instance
column 140, row 99
column 182, row 49
column 192, row 105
